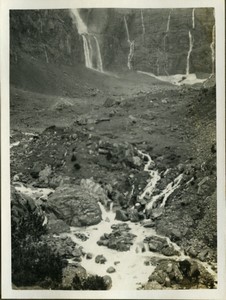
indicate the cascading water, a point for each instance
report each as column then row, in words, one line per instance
column 154, row 178
column 93, row 59
column 212, row 47
column 189, row 53
column 131, row 46
column 164, row 39
column 142, row 22
column 168, row 22
column 193, row 18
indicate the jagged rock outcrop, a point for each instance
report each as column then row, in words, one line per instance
column 180, row 274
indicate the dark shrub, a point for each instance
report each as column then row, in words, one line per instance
column 33, row 261
column 90, row 283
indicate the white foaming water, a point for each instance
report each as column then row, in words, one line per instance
column 90, row 50
column 170, row 188
column 87, row 52
column 193, row 18
column 177, row 79
column 212, row 47
column 14, row 144
column 33, row 192
column 189, row 53
column 131, row 46
column 129, row 265
column 154, row 176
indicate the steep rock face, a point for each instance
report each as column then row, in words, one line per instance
column 161, row 38
column 48, row 35
column 151, row 40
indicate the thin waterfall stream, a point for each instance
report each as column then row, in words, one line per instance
column 131, row 46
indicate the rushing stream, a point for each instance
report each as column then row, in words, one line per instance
column 131, row 268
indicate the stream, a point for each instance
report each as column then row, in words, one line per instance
column 131, row 268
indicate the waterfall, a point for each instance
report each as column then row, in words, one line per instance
column 87, row 51
column 131, row 46
column 193, row 18
column 212, row 47
column 189, row 53
column 168, row 22
column 165, row 36
column 142, row 22
column 91, row 45
column 99, row 60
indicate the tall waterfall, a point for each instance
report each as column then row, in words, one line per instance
column 131, row 46
column 91, row 45
column 189, row 53
column 167, row 30
column 212, row 47
column 142, row 22
column 193, row 18
column 168, row 22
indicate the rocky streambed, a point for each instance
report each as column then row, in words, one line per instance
column 99, row 233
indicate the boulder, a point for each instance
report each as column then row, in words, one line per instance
column 160, row 245
column 69, row 273
column 133, row 215
column 111, row 270
column 148, row 223
column 108, row 281
column 100, row 259
column 119, row 239
column 75, row 206
column 121, row 215
column 185, row 273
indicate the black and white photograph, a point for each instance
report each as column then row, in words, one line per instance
column 114, row 160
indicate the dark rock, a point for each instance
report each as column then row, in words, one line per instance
column 148, row 223
column 120, row 239
column 89, row 255
column 185, row 273
column 108, row 281
column 121, row 215
column 133, row 215
column 111, row 270
column 100, row 259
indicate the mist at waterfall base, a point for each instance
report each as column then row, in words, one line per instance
column 93, row 58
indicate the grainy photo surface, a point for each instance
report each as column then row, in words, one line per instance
column 113, row 149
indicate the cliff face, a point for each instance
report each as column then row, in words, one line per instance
column 161, row 38
column 48, row 35
column 160, row 41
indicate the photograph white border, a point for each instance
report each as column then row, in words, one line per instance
column 7, row 291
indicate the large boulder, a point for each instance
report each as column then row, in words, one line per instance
column 75, row 206
column 185, row 273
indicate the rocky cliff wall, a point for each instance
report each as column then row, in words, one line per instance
column 157, row 40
